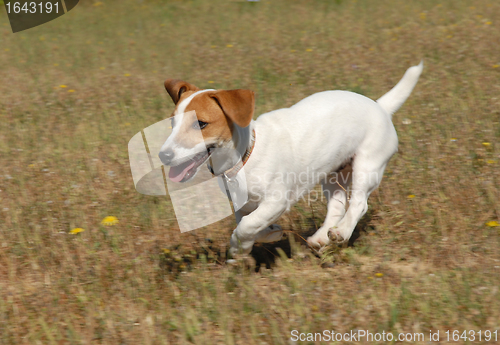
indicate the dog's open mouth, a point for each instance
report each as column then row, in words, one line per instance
column 184, row 171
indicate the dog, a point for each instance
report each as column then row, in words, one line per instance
column 340, row 139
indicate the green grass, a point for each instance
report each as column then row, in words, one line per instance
column 75, row 90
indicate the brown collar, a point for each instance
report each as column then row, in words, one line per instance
column 232, row 172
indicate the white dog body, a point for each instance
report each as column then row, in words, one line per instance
column 340, row 139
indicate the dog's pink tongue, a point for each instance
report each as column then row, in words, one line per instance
column 177, row 173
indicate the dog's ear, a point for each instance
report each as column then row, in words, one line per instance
column 176, row 88
column 238, row 105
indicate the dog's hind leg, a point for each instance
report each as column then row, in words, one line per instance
column 367, row 174
column 335, row 190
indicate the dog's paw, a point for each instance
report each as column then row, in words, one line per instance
column 335, row 236
column 273, row 233
column 317, row 241
column 238, row 247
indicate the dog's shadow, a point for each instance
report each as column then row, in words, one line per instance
column 266, row 254
column 176, row 259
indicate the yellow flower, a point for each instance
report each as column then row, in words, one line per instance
column 486, row 144
column 42, row 38
column 490, row 161
column 423, row 15
column 99, row 3
column 213, row 46
column 495, row 66
column 379, row 275
column 493, row 223
column 229, row 45
column 292, row 51
column 166, row 251
column 127, row 74
column 453, row 139
column 132, row 59
column 488, row 23
column 7, row 49
column 109, row 220
column 127, row 123
column 309, row 50
column 71, row 90
column 76, row 231
column 411, row 196
column 102, row 68
column 63, row 86
column 210, row 81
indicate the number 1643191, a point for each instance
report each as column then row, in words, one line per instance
column 32, row 7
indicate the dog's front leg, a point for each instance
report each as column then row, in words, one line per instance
column 272, row 233
column 250, row 227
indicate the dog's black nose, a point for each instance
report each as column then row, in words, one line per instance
column 166, row 156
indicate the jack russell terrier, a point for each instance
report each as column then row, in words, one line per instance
column 340, row 139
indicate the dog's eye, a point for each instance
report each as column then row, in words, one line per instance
column 199, row 125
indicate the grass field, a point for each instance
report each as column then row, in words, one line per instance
column 75, row 90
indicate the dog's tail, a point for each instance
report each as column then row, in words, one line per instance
column 395, row 98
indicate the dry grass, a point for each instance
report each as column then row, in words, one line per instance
column 420, row 263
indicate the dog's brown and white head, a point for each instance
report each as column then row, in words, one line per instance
column 216, row 114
